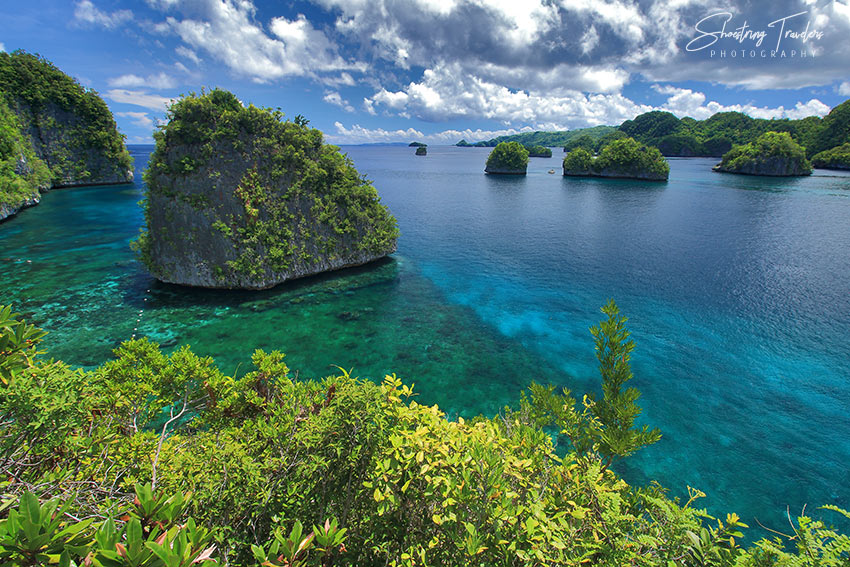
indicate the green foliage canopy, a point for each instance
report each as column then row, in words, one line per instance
column 836, row 158
column 382, row 479
column 767, row 149
column 292, row 185
column 509, row 156
column 32, row 84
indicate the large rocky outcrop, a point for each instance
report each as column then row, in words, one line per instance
column 623, row 159
column 50, row 123
column 507, row 158
column 56, row 135
column 239, row 198
column 773, row 154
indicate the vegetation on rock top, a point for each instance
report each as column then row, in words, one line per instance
column 279, row 201
column 34, row 88
column 507, row 157
column 538, row 151
column 834, row 130
column 772, row 153
column 624, row 158
column 836, row 158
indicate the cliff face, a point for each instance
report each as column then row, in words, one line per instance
column 53, row 133
column 616, row 173
column 22, row 173
column 239, row 199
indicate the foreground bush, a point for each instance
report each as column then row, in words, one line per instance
column 154, row 460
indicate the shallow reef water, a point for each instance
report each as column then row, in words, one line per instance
column 737, row 291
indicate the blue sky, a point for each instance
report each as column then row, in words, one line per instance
column 441, row 70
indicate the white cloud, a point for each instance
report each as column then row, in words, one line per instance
column 360, row 135
column 187, row 53
column 2, row 47
column 159, row 81
column 228, row 31
column 686, row 102
column 844, row 88
column 86, row 13
column 357, row 134
column 140, row 119
column 447, row 93
column 336, row 99
column 139, row 98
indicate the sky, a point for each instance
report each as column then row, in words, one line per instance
column 437, row 71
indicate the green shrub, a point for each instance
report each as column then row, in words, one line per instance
column 382, row 479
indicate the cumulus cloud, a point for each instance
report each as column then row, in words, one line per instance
column 446, row 93
column 336, row 99
column 160, row 80
column 562, row 62
column 87, row 14
column 646, row 37
column 139, row 98
column 843, row 88
column 228, row 31
column 140, row 119
column 686, row 102
column 358, row 134
column 2, row 47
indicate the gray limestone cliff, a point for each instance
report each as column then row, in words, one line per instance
column 239, row 198
column 53, row 133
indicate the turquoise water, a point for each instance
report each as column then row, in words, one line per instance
column 737, row 290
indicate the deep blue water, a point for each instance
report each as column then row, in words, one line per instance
column 737, row 291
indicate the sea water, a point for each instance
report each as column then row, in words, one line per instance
column 737, row 291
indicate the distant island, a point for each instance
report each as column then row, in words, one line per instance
column 626, row 158
column 53, row 133
column 836, row 158
column 773, row 154
column 687, row 137
column 541, row 138
column 539, row 151
column 507, row 158
column 416, row 145
column 239, row 198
